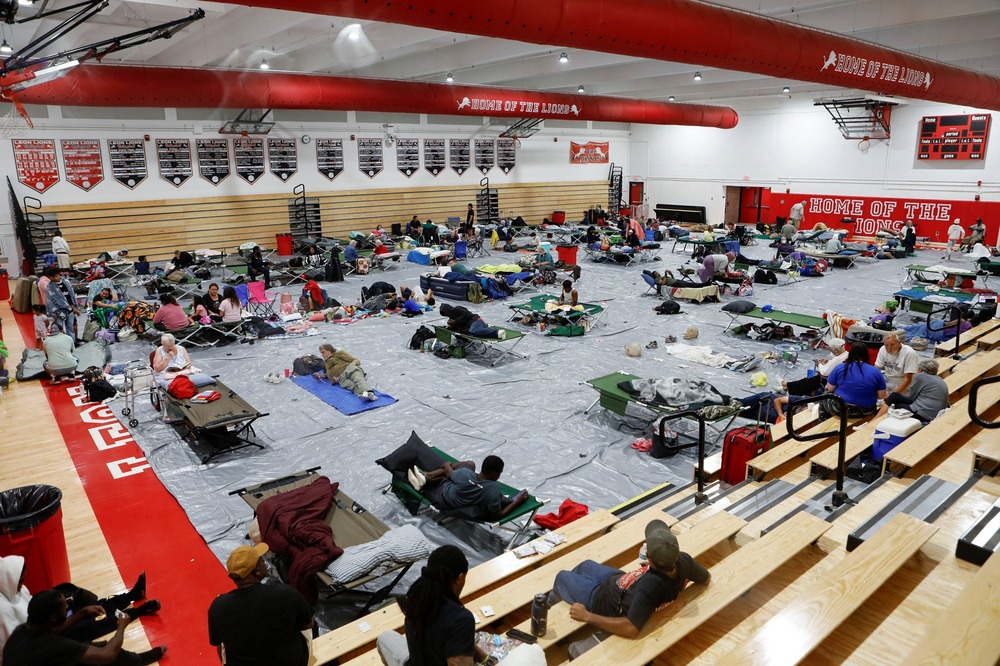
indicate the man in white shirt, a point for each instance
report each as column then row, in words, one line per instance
column 61, row 249
column 898, row 362
column 797, row 214
column 955, row 234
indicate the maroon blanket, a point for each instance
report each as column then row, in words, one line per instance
column 293, row 524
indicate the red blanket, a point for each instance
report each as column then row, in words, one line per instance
column 293, row 524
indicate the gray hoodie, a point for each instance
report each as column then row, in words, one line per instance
column 13, row 602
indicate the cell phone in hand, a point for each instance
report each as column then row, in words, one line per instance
column 522, row 636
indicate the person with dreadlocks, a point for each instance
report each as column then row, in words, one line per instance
column 439, row 630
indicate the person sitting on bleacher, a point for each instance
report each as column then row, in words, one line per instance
column 926, row 396
column 862, row 386
column 620, row 602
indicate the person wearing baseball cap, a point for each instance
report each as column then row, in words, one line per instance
column 255, row 624
column 620, row 602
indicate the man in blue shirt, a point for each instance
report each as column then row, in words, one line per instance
column 351, row 253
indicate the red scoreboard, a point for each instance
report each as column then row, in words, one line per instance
column 953, row 137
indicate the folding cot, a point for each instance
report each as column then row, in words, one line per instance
column 781, row 317
column 791, row 273
column 693, row 294
column 187, row 285
column 616, row 400
column 416, row 452
column 717, row 246
column 588, row 316
column 919, row 299
column 616, row 254
column 474, row 344
column 847, row 257
column 384, row 261
column 352, row 525
column 935, row 274
column 223, row 425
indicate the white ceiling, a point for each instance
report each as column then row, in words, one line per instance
column 963, row 33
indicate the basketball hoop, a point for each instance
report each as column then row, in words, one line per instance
column 16, row 121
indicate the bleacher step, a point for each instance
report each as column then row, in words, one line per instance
column 925, row 499
column 764, row 498
column 982, row 539
column 818, row 503
column 647, row 499
column 689, row 506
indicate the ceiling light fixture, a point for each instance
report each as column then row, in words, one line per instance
column 264, row 65
column 56, row 68
column 25, row 3
column 581, row 89
column 563, row 58
column 671, row 98
column 449, row 78
column 697, row 76
column 5, row 47
column 786, row 89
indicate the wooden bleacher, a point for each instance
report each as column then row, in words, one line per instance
column 786, row 448
column 986, row 452
column 697, row 604
column 966, row 632
column 968, row 339
column 932, row 436
column 700, row 538
column 990, row 340
column 350, row 637
column 789, row 637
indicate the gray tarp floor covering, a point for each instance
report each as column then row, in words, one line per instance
column 530, row 412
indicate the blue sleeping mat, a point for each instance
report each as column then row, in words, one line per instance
column 339, row 397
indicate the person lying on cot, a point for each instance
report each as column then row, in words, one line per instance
column 462, row 320
column 454, row 266
column 460, row 487
column 620, row 602
column 667, row 279
column 344, row 369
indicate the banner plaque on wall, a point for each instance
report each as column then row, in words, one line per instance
column 249, row 154
column 458, row 153
column 36, row 163
column 485, row 154
column 434, row 156
column 330, row 157
column 174, row 157
column 128, row 161
column 213, row 159
column 592, row 152
column 506, row 154
column 82, row 162
column 408, row 156
column 283, row 157
column 370, row 156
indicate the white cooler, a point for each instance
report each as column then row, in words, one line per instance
column 891, row 432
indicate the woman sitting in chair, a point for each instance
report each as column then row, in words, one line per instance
column 257, row 265
column 230, row 307
column 106, row 301
column 170, row 316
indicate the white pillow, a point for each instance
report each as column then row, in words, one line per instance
column 400, row 545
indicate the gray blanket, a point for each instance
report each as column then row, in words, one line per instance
column 95, row 353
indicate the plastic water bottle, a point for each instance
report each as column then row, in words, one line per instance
column 539, row 614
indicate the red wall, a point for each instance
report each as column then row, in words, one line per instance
column 931, row 216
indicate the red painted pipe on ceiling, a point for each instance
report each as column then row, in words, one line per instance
column 681, row 31
column 118, row 85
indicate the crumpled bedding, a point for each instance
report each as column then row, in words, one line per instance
column 703, row 355
column 499, row 268
column 675, row 392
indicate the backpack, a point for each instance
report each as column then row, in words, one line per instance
column 765, row 276
column 475, row 293
column 494, row 288
column 98, row 388
column 657, row 236
column 745, row 289
column 421, row 334
column 308, row 364
column 668, row 308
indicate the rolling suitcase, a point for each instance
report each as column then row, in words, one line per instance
column 738, row 448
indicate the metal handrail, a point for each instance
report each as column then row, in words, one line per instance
column 958, row 330
column 699, row 497
column 839, row 496
column 974, row 397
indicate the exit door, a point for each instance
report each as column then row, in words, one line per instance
column 755, row 205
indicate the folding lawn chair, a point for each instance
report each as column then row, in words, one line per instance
column 260, row 302
column 477, row 248
column 651, row 285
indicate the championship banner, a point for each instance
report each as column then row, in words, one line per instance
column 36, row 164
column 82, row 162
column 869, row 215
column 592, row 152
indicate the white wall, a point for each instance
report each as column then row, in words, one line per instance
column 789, row 143
column 541, row 158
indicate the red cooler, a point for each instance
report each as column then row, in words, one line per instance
column 31, row 526
column 559, row 217
column 567, row 254
column 284, row 244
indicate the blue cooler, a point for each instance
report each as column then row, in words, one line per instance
column 890, row 433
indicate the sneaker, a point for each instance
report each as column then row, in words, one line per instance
column 414, row 481
column 670, row 339
column 420, row 475
column 369, row 396
column 652, row 345
column 501, row 334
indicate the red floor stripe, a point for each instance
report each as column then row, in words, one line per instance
column 145, row 527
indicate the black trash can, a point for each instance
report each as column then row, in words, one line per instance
column 31, row 526
column 874, row 340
